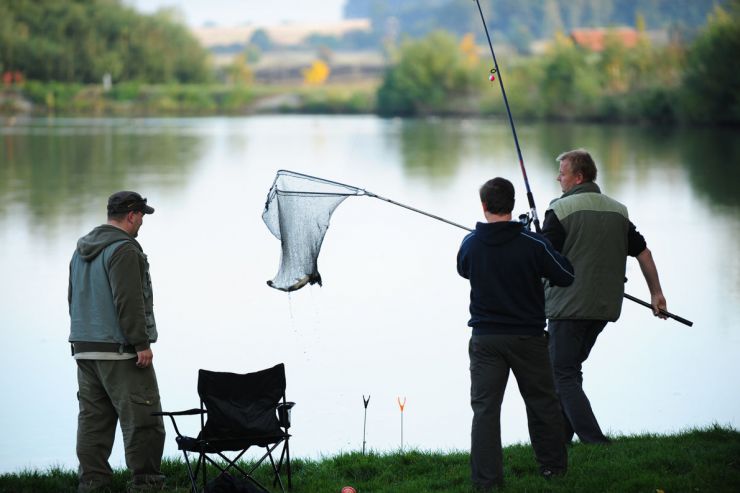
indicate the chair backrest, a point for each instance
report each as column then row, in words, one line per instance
column 241, row 405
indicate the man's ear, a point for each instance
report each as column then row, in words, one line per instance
column 483, row 205
column 579, row 178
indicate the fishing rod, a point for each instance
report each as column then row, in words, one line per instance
column 628, row 296
column 530, row 198
column 662, row 312
column 495, row 70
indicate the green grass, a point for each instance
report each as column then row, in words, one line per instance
column 706, row 460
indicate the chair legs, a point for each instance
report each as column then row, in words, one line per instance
column 200, row 467
column 286, row 449
column 284, row 457
column 193, row 477
column 276, row 470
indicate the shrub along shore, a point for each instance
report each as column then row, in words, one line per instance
column 152, row 66
column 701, row 460
column 135, row 100
column 131, row 100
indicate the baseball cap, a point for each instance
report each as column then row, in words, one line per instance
column 126, row 201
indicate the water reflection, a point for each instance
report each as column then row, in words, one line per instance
column 52, row 168
column 708, row 154
column 432, row 148
column 712, row 157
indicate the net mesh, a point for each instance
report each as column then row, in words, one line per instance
column 297, row 212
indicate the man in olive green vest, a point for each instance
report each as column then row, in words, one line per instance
column 111, row 330
column 594, row 232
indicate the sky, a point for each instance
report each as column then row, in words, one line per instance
column 240, row 12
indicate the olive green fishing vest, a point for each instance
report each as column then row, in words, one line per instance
column 596, row 228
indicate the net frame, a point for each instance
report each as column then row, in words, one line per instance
column 299, row 258
column 301, row 228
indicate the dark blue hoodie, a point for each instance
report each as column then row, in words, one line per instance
column 506, row 265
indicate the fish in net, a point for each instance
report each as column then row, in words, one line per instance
column 297, row 212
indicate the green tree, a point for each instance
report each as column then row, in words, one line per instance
column 570, row 85
column 431, row 76
column 712, row 81
column 261, row 40
column 81, row 40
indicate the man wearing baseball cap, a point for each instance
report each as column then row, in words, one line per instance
column 111, row 332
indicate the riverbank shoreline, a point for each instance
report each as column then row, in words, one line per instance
column 698, row 460
column 140, row 100
column 136, row 100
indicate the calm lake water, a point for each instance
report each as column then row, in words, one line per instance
column 390, row 320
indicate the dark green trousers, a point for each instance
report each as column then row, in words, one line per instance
column 491, row 359
column 112, row 392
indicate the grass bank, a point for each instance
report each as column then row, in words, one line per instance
column 706, row 460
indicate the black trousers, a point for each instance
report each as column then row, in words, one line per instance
column 570, row 344
column 491, row 359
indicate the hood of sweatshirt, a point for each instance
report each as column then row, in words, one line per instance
column 90, row 245
column 498, row 233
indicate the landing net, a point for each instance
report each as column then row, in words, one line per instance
column 297, row 212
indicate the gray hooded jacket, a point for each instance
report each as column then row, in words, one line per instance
column 110, row 290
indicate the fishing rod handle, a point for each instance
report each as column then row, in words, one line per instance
column 663, row 312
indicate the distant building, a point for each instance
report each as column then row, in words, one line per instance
column 290, row 54
column 594, row 39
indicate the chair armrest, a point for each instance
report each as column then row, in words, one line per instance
column 189, row 412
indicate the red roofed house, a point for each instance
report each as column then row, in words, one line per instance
column 593, row 39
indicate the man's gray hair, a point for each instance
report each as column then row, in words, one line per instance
column 580, row 161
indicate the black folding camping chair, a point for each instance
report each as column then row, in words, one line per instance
column 243, row 411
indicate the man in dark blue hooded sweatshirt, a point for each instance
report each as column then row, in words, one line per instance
column 506, row 265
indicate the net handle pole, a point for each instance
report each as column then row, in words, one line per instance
column 369, row 194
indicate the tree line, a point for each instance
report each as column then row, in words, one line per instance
column 518, row 22
column 60, row 45
column 694, row 82
column 83, row 40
